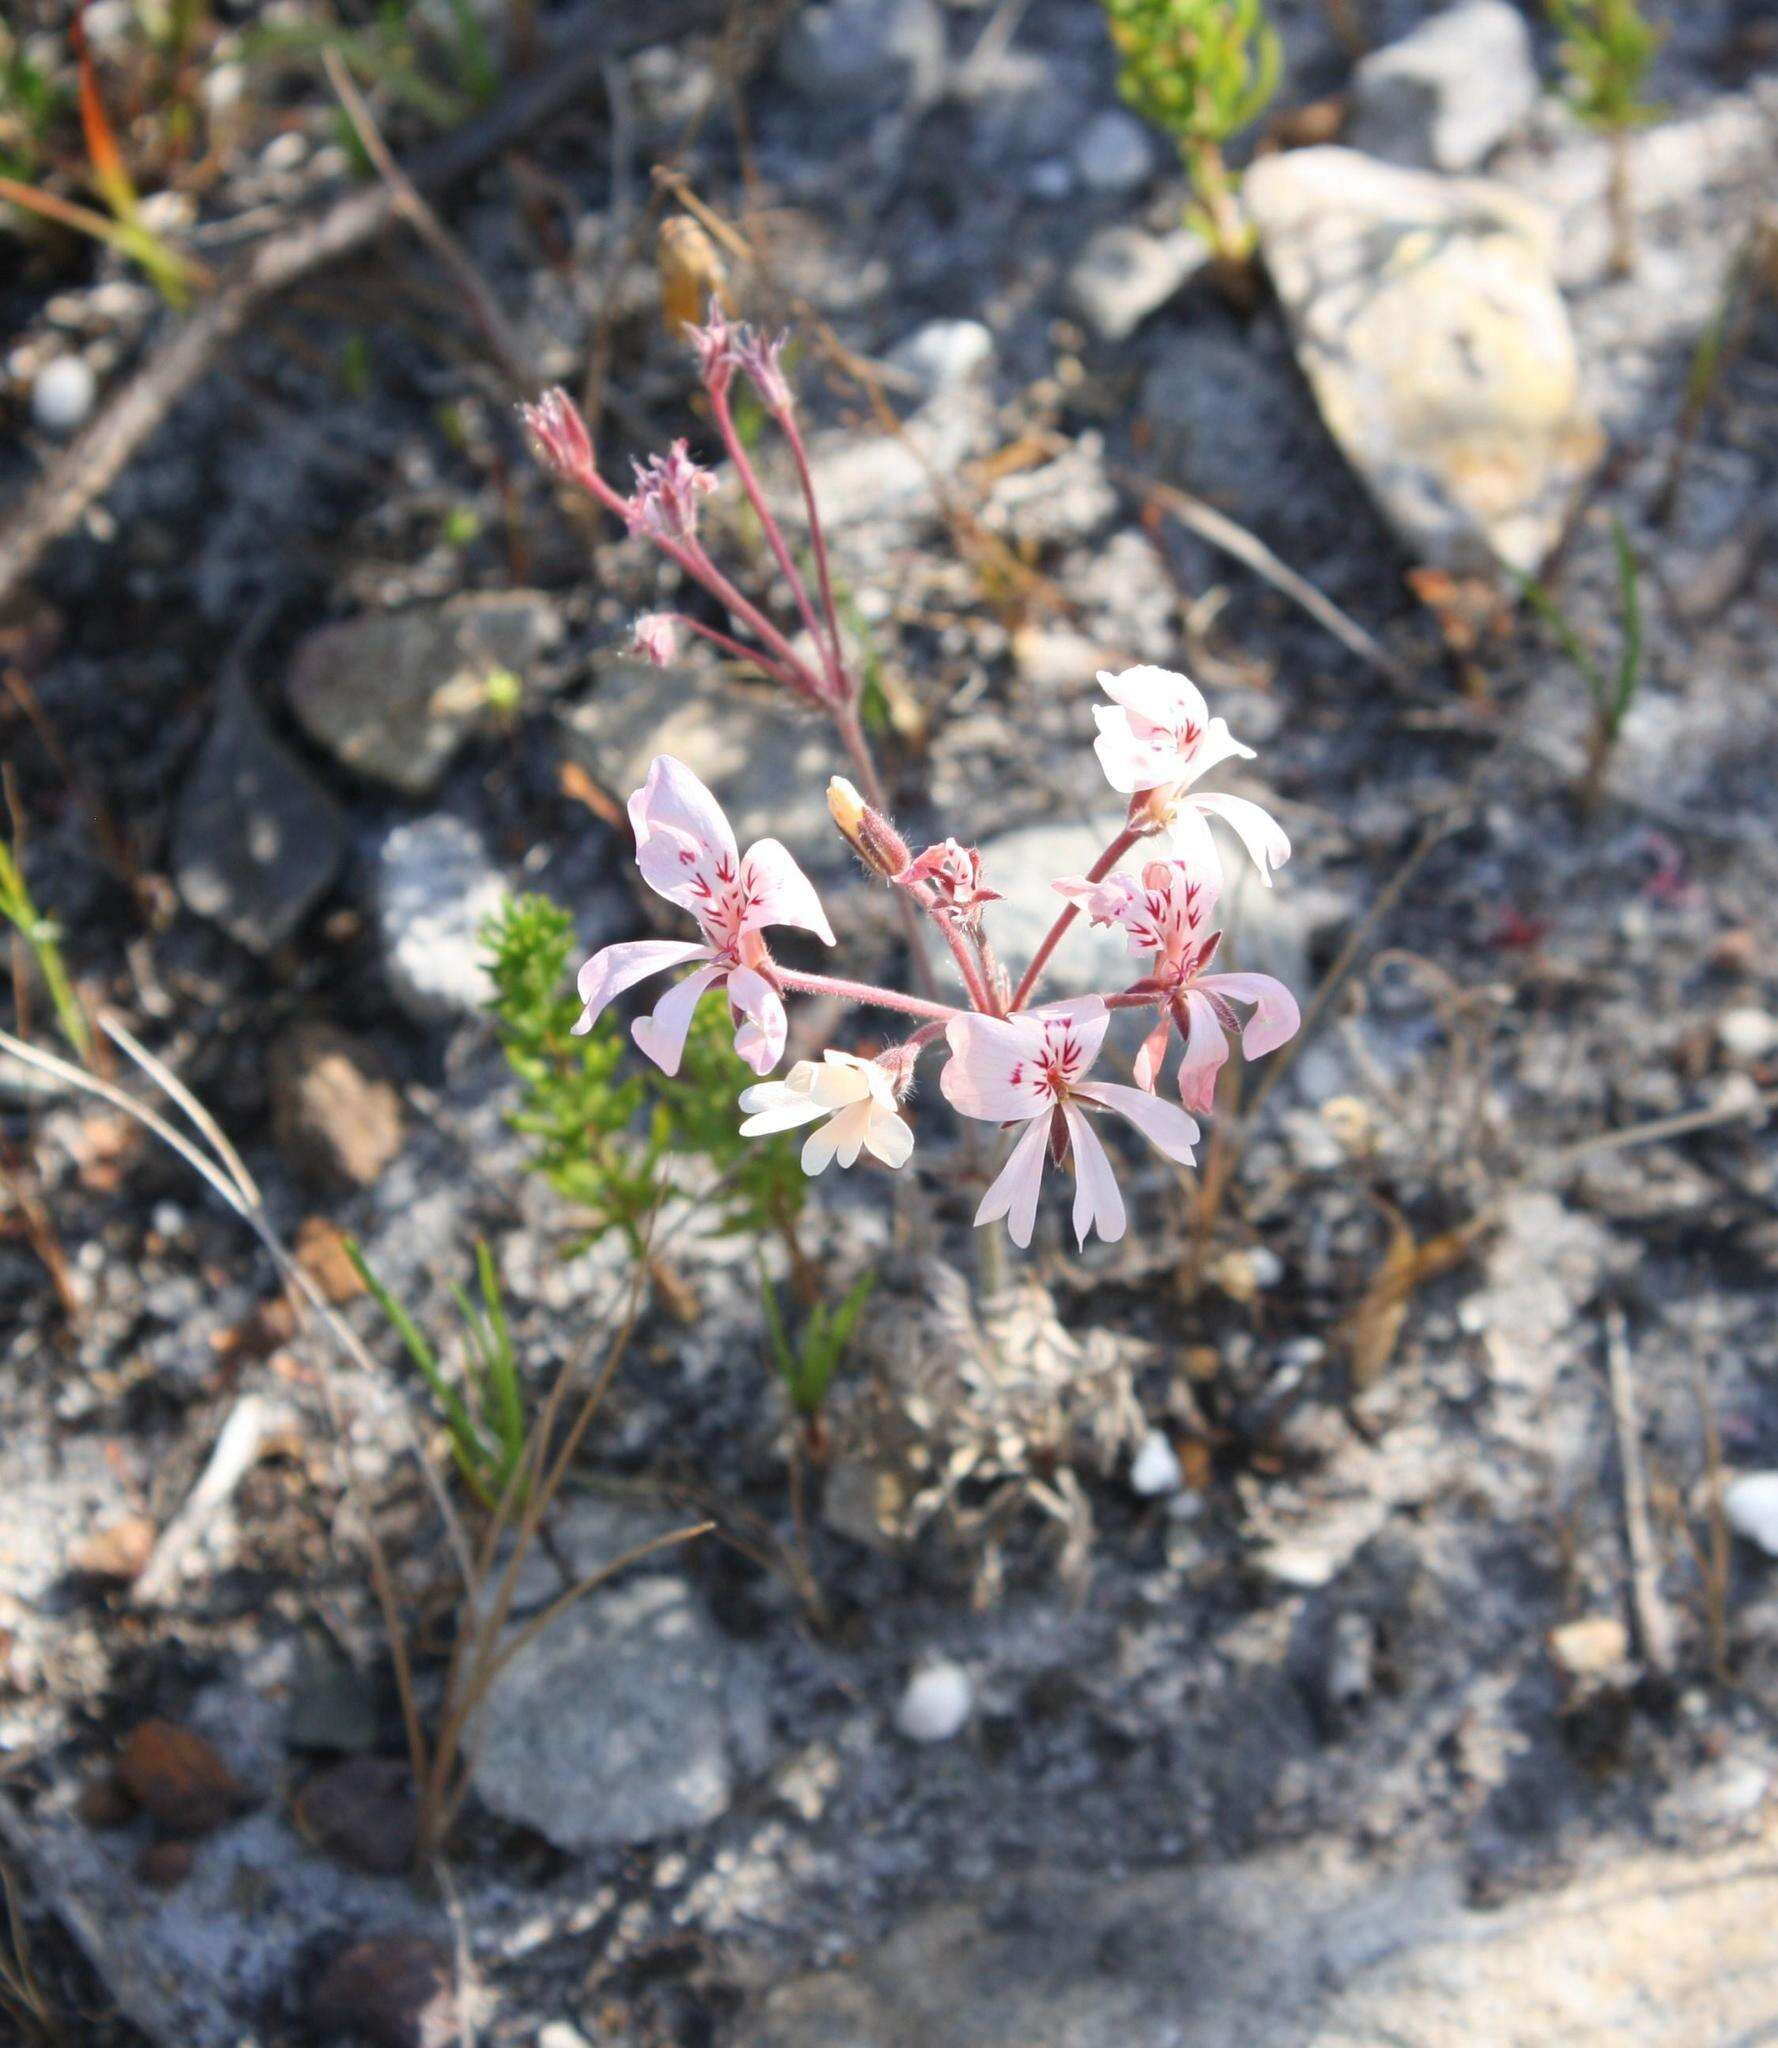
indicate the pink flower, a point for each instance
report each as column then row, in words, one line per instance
column 687, row 854
column 716, row 346
column 1156, row 738
column 665, row 502
column 561, row 436
column 952, row 874
column 1030, row 1068
column 760, row 359
column 656, row 638
column 1167, row 912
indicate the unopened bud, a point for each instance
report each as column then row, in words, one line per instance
column 561, row 436
column 656, row 639
column 875, row 841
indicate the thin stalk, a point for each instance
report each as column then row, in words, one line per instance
column 845, row 718
column 773, row 532
column 1620, row 199
column 863, row 992
column 793, row 433
column 754, row 657
column 1053, row 937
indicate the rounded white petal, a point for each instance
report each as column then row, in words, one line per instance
column 890, row 1138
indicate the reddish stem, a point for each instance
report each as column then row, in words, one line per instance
column 773, row 532
column 754, row 657
column 818, row 541
column 863, row 992
column 1052, row 938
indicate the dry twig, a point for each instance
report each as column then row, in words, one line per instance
column 1654, row 1622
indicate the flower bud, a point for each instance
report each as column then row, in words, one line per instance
column 561, row 436
column 656, row 639
column 875, row 841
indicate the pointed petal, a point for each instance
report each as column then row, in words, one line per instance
column 1096, row 1196
column 779, row 892
column 759, row 1038
column 1153, row 1052
column 1167, row 1129
column 890, row 1139
column 1275, row 1015
column 684, row 845
column 662, row 1035
column 1128, row 764
column 1266, row 841
column 1205, row 1050
column 1190, row 843
column 777, row 1106
column 615, row 968
column 1014, row 1192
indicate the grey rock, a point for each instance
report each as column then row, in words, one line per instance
column 1022, row 865
column 1425, row 314
column 945, row 354
column 393, row 695
column 1113, row 153
column 1125, row 273
column 435, row 888
column 62, row 395
column 766, row 759
column 628, row 1719
column 256, row 840
column 1309, row 1949
column 871, row 54
column 1441, row 98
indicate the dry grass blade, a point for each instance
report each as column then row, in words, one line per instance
column 1373, row 1329
column 1654, row 1621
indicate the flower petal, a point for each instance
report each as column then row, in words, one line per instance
column 1205, row 1050
column 1096, row 1197
column 994, row 1069
column 662, row 1035
column 759, row 1037
column 1217, row 745
column 613, row 969
column 781, row 1105
column 1275, row 1015
column 1168, row 1130
column 778, row 892
column 684, row 844
column 890, row 1138
column 1153, row 1053
column 1266, row 841
column 1014, row 1192
column 1159, row 696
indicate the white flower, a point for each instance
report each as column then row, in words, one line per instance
column 856, row 1096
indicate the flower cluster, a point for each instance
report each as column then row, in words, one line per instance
column 1012, row 1065
column 1027, row 1068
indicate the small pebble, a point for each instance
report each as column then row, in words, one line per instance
column 1155, row 1468
column 1750, row 1501
column 62, row 397
column 1266, row 1267
column 938, row 1701
column 1747, row 1035
column 1050, row 179
column 1113, row 153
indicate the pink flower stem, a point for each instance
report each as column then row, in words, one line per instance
column 818, row 541
column 755, row 657
column 863, row 992
column 773, row 532
column 1052, row 938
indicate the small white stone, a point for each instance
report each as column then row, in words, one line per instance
column 1748, row 1035
column 1112, row 153
column 945, row 354
column 1750, row 1501
column 1155, row 1468
column 938, row 1701
column 62, row 397
column 1266, row 1267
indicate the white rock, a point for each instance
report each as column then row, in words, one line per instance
column 938, row 1701
column 62, row 397
column 436, row 887
column 1748, row 1035
column 944, row 354
column 1022, row 865
column 1124, row 274
column 1265, row 1265
column 1442, row 97
column 1425, row 314
column 1750, row 1501
column 1155, row 1468
column 1113, row 152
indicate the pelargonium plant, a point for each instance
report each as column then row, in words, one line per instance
column 1028, row 1067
